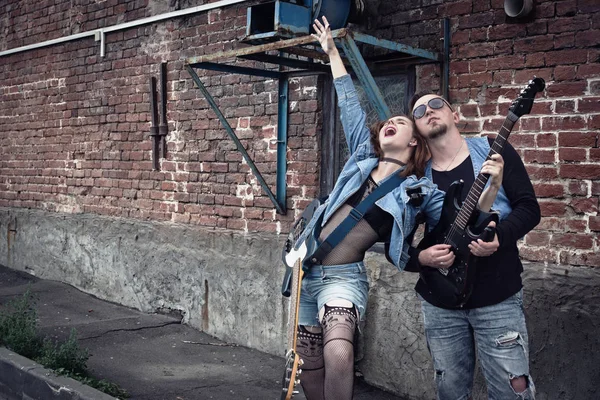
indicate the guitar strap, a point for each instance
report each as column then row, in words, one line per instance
column 357, row 213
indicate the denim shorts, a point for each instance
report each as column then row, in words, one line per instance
column 326, row 283
column 496, row 333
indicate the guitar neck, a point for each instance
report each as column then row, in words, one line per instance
column 292, row 332
column 470, row 203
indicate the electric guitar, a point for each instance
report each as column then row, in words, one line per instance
column 293, row 258
column 460, row 224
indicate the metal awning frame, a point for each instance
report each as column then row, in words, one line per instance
column 347, row 41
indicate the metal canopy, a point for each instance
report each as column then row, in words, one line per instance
column 302, row 57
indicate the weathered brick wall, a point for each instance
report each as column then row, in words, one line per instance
column 492, row 58
column 74, row 126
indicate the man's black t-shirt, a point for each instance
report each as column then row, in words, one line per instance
column 499, row 275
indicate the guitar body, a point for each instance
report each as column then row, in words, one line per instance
column 461, row 222
column 453, row 286
column 293, row 257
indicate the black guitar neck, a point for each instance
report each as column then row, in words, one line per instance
column 470, row 204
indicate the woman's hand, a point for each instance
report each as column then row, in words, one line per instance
column 495, row 169
column 323, row 35
column 437, row 256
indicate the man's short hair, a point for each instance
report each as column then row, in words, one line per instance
column 416, row 97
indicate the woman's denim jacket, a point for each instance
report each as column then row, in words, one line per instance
column 479, row 148
column 358, row 168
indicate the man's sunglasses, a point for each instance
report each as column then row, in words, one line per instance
column 435, row 104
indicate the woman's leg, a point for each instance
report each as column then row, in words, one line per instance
column 338, row 319
column 310, row 349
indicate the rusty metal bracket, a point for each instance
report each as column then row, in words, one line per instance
column 302, row 57
column 281, row 209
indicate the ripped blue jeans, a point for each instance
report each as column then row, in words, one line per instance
column 496, row 333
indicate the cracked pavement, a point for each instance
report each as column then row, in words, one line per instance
column 154, row 356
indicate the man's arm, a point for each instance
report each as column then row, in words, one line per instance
column 526, row 212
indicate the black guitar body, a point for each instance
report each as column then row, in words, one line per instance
column 454, row 288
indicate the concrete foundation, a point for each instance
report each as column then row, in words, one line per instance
column 227, row 285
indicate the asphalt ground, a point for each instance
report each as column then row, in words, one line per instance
column 153, row 356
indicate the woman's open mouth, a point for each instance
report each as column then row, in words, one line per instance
column 390, row 131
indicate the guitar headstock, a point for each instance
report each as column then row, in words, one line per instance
column 522, row 105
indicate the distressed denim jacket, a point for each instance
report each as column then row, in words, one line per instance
column 358, row 168
column 479, row 148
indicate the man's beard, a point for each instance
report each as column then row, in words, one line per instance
column 437, row 131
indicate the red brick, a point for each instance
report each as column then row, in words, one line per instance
column 577, row 139
column 578, row 56
column 584, row 205
column 572, row 154
column 578, row 188
column 565, row 107
column 535, row 60
column 539, row 254
column 549, row 190
column 564, row 40
column 545, row 139
column 566, row 89
column 537, row 239
column 580, row 171
column 539, row 156
column 589, row 105
column 551, row 208
column 594, row 223
column 588, row 71
column 563, row 123
column 581, row 258
column 572, row 240
column 534, row 44
column 521, row 140
column 578, row 23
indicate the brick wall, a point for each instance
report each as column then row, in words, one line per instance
column 74, row 126
column 492, row 58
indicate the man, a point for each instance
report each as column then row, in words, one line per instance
column 491, row 324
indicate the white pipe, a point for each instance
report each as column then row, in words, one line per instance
column 99, row 34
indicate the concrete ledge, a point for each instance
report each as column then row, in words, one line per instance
column 21, row 378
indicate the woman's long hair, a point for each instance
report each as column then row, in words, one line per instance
column 418, row 158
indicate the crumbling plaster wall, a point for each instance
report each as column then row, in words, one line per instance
column 227, row 284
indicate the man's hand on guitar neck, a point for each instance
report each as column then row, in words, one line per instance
column 480, row 248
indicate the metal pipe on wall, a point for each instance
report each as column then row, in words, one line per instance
column 99, row 34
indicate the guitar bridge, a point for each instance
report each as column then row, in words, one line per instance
column 444, row 271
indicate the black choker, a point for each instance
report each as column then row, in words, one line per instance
column 393, row 160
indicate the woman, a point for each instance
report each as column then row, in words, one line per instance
column 334, row 292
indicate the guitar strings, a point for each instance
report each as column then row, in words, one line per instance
column 453, row 228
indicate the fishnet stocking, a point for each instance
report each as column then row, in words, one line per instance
column 310, row 349
column 338, row 324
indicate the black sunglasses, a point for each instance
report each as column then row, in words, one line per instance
column 435, row 104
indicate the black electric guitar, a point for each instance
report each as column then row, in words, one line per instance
column 293, row 258
column 460, row 224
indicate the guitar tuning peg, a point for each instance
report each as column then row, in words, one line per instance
column 300, row 362
column 299, row 372
column 295, row 392
column 297, row 382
